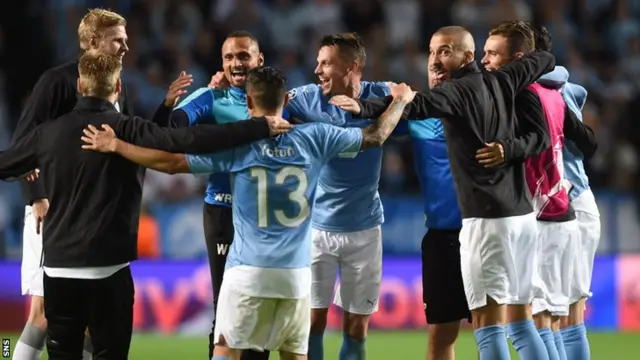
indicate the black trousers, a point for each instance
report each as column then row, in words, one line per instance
column 442, row 286
column 218, row 234
column 105, row 306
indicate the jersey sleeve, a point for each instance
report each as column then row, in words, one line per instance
column 301, row 102
column 198, row 106
column 211, row 163
column 339, row 142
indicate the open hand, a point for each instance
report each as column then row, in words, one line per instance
column 402, row 92
column 219, row 81
column 178, row 88
column 277, row 125
column 491, row 156
column 346, row 103
column 104, row 140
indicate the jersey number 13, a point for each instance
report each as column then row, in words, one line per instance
column 298, row 196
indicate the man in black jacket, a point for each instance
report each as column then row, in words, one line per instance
column 477, row 108
column 54, row 95
column 91, row 232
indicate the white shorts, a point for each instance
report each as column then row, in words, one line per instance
column 557, row 251
column 260, row 324
column 31, row 272
column 359, row 257
column 589, row 228
column 498, row 258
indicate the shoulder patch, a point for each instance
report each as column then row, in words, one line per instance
column 292, row 93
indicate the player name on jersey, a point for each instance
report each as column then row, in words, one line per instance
column 277, row 152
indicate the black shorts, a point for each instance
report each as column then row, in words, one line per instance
column 218, row 234
column 442, row 287
column 105, row 306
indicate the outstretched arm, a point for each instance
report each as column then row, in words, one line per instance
column 106, row 141
column 377, row 133
column 201, row 139
column 519, row 74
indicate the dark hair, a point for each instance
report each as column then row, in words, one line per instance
column 267, row 86
column 350, row 46
column 541, row 36
column 520, row 36
column 242, row 34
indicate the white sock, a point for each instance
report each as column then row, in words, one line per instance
column 88, row 348
column 30, row 344
column 23, row 351
column 86, row 355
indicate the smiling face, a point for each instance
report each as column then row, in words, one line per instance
column 239, row 55
column 496, row 53
column 445, row 57
column 332, row 71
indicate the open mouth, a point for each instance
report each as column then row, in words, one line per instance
column 438, row 75
column 238, row 75
column 324, row 83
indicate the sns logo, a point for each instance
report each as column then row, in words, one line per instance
column 6, row 348
column 223, row 198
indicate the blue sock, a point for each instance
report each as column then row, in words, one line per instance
column 576, row 343
column 351, row 349
column 550, row 343
column 219, row 358
column 527, row 341
column 316, row 347
column 560, row 345
column 492, row 343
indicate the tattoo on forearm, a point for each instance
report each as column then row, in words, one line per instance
column 376, row 134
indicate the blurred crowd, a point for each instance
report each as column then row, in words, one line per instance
column 597, row 40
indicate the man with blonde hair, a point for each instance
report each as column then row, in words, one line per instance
column 91, row 233
column 54, row 95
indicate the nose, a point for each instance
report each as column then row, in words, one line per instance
column 484, row 60
column 125, row 47
column 317, row 70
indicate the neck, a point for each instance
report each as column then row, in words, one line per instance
column 112, row 98
column 263, row 112
column 353, row 90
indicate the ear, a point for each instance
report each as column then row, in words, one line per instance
column 118, row 86
column 518, row 55
column 286, row 99
column 79, row 86
column 469, row 56
column 93, row 42
column 250, row 104
column 261, row 59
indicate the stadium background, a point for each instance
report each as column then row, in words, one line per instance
column 597, row 40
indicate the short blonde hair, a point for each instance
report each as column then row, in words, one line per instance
column 94, row 23
column 99, row 74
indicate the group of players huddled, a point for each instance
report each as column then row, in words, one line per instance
column 512, row 223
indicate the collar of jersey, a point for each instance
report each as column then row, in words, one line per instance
column 471, row 67
column 237, row 91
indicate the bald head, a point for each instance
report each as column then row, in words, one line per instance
column 450, row 49
column 463, row 39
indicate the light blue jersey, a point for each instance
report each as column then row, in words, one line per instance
column 575, row 96
column 347, row 198
column 216, row 106
column 274, row 186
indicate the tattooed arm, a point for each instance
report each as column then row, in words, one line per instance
column 377, row 133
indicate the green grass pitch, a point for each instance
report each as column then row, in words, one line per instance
column 380, row 346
